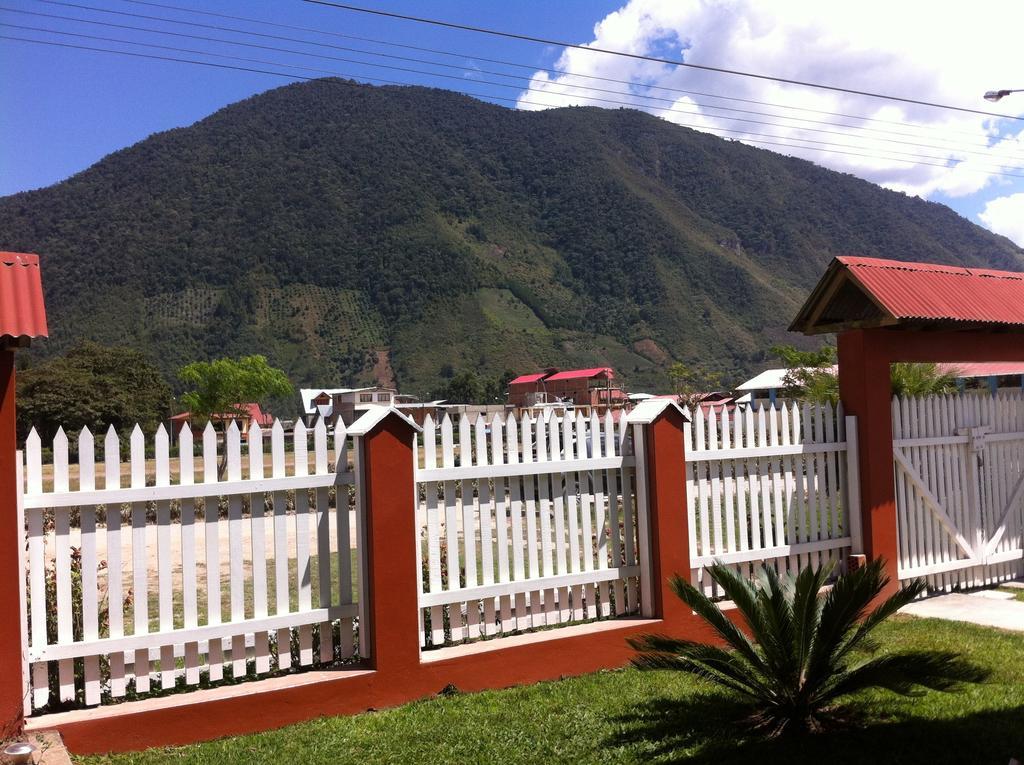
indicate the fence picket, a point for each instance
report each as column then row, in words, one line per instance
column 90, row 566
column 165, row 558
column 303, row 571
column 189, row 583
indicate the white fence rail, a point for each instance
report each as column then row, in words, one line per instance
column 525, row 523
column 175, row 569
column 770, row 486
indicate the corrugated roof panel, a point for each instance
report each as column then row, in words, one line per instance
column 22, row 312
column 522, row 379
column 575, row 374
column 941, row 293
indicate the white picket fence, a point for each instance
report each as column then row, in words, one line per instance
column 772, row 486
column 524, row 524
column 162, row 573
column 959, row 464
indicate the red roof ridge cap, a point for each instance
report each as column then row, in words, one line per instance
column 856, row 261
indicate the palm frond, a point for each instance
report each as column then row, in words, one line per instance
column 712, row 663
column 906, row 673
column 709, row 611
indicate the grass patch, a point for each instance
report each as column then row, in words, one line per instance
column 1018, row 594
column 631, row 717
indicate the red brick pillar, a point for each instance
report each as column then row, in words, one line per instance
column 866, row 392
column 385, row 464
column 12, row 578
column 660, row 451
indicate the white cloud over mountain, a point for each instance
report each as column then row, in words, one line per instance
column 941, row 52
column 1005, row 215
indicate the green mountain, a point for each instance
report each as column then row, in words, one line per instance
column 353, row 232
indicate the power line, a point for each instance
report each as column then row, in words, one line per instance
column 918, row 161
column 533, row 68
column 655, row 59
column 916, row 144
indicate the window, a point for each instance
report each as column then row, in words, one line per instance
column 365, row 398
column 383, row 396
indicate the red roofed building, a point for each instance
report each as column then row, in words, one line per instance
column 246, row 415
column 22, row 318
column 584, row 390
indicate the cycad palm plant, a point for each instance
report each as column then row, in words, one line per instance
column 807, row 647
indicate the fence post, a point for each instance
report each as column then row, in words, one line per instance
column 12, row 578
column 865, row 391
column 385, row 466
column 853, row 487
column 661, row 490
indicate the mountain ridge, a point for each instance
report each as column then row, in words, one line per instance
column 324, row 225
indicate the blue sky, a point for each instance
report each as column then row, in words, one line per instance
column 64, row 109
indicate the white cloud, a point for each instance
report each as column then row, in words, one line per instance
column 937, row 52
column 1005, row 215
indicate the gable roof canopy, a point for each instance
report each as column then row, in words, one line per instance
column 22, row 312
column 860, row 293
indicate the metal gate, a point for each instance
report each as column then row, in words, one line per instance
column 959, row 463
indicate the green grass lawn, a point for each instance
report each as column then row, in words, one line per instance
column 627, row 716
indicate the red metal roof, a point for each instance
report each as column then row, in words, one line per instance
column 575, row 374
column 22, row 312
column 984, row 368
column 528, row 378
column 945, row 293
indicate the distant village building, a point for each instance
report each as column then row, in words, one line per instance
column 243, row 415
column 583, row 390
column 347, row 404
column 766, row 387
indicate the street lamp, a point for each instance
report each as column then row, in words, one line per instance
column 995, row 95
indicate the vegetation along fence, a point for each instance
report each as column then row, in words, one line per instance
column 525, row 523
column 194, row 569
column 772, row 485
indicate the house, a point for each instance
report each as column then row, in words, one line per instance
column 244, row 415
column 584, row 390
column 346, row 404
column 765, row 387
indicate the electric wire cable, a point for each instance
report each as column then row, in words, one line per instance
column 844, row 152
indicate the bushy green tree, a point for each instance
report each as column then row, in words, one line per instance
column 691, row 384
column 92, row 386
column 807, row 648
column 469, row 387
column 222, row 386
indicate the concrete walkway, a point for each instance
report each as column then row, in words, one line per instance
column 989, row 608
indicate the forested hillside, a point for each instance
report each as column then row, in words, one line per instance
column 335, row 227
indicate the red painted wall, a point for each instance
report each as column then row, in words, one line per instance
column 11, row 576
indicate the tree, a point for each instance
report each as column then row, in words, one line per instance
column 472, row 388
column 223, row 386
column 92, row 386
column 811, row 376
column 807, row 650
column 692, row 384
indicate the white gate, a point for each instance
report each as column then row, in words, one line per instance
column 959, row 463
